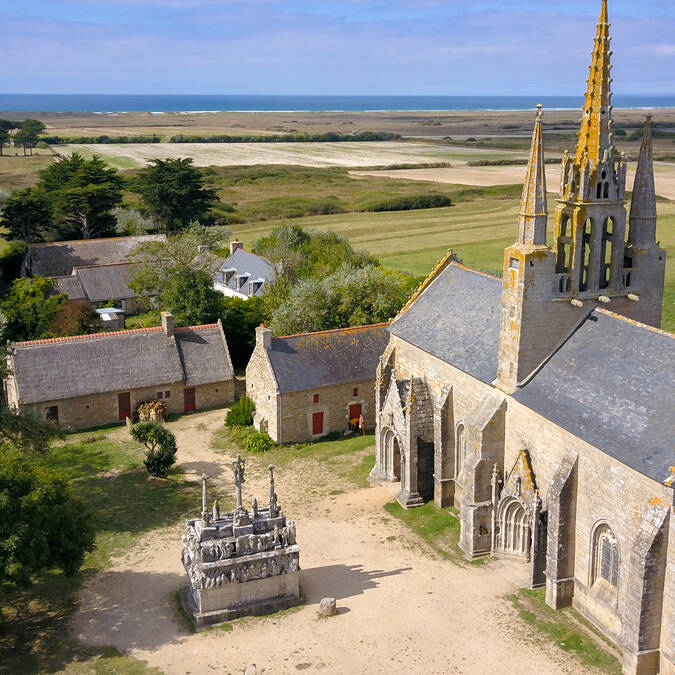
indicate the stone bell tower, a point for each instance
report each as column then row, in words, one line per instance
column 595, row 261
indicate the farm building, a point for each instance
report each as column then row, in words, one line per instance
column 91, row 380
column 307, row 386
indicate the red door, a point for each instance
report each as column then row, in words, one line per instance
column 317, row 423
column 124, row 405
column 190, row 400
column 354, row 411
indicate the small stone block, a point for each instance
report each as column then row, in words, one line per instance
column 328, row 607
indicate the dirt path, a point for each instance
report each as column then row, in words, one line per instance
column 401, row 610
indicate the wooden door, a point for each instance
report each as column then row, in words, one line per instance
column 190, row 400
column 317, row 423
column 354, row 411
column 124, row 405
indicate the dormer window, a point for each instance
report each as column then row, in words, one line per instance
column 256, row 285
column 241, row 280
column 228, row 273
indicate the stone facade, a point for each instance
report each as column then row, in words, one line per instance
column 552, row 457
column 99, row 409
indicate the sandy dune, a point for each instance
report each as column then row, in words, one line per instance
column 400, row 610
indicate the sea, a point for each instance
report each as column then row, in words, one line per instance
column 114, row 103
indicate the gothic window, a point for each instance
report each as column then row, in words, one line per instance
column 460, row 448
column 605, row 557
column 563, row 262
column 606, row 253
column 586, row 260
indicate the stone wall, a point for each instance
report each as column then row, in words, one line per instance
column 261, row 388
column 100, row 409
column 297, row 409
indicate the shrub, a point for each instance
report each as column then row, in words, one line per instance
column 241, row 413
column 151, row 411
column 620, row 132
column 161, row 448
column 257, row 441
column 410, row 203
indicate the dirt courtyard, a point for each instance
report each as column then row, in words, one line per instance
column 401, row 609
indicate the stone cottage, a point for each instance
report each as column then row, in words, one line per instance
column 244, row 274
column 307, row 386
column 91, row 380
column 540, row 405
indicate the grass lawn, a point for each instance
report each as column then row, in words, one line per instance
column 565, row 629
column 126, row 503
column 18, row 172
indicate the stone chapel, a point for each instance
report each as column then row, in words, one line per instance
column 540, row 405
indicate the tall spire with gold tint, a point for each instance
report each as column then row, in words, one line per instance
column 533, row 207
column 595, row 135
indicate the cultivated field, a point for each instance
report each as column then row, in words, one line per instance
column 664, row 175
column 360, row 154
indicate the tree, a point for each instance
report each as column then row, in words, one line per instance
column 191, row 298
column 74, row 318
column 349, row 297
column 29, row 134
column 4, row 139
column 173, row 193
column 82, row 194
column 29, row 308
column 240, row 318
column 27, row 214
column 42, row 525
column 160, row 446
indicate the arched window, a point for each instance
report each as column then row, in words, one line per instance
column 586, row 256
column 605, row 556
column 460, row 448
column 606, row 253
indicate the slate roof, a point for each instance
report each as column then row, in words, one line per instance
column 246, row 263
column 98, row 283
column 57, row 259
column 315, row 360
column 612, row 384
column 456, row 318
column 62, row 368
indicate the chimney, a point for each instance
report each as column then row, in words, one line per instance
column 263, row 336
column 167, row 324
column 234, row 245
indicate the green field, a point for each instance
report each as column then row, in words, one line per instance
column 478, row 231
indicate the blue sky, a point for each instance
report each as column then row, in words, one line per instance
column 329, row 47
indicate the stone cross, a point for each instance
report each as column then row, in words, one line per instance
column 205, row 499
column 238, row 467
column 273, row 499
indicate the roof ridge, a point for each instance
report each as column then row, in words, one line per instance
column 93, row 336
column 257, row 255
column 639, row 324
column 95, row 239
column 471, row 269
column 204, row 326
column 114, row 264
column 332, row 330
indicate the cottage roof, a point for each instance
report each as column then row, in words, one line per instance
column 98, row 283
column 456, row 318
column 57, row 259
column 612, row 384
column 315, row 360
column 61, row 368
column 242, row 263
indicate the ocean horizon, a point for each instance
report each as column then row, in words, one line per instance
column 156, row 103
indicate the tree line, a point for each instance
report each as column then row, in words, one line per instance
column 27, row 136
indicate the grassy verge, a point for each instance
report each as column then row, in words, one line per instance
column 436, row 527
column 126, row 503
column 563, row 629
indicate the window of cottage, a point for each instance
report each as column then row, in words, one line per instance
column 355, row 391
column 160, row 395
column 316, row 398
column 606, row 556
column 167, row 394
column 52, row 413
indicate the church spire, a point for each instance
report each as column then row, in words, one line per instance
column 533, row 208
column 595, row 137
column 643, row 206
